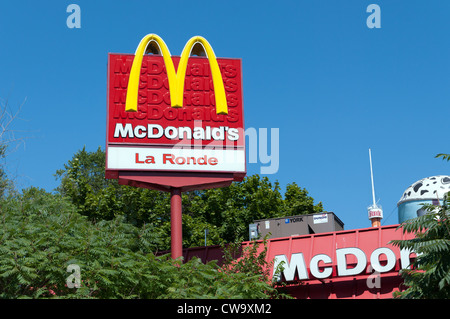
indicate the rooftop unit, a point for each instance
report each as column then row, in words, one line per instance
column 295, row 225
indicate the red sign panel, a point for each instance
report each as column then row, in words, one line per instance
column 156, row 122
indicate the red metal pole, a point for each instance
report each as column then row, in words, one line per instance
column 176, row 223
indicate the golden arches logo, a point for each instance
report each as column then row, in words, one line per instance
column 175, row 78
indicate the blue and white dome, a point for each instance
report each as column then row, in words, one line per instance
column 433, row 187
column 429, row 190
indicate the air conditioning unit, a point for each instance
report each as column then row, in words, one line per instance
column 295, row 225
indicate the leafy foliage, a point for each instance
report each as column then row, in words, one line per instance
column 246, row 277
column 444, row 156
column 111, row 232
column 429, row 277
column 253, row 262
column 5, row 184
column 42, row 233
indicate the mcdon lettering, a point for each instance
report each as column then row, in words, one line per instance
column 321, row 265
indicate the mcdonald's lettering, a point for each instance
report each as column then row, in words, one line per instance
column 155, row 131
column 173, row 91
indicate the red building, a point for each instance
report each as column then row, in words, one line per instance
column 347, row 264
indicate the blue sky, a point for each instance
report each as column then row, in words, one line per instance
column 313, row 69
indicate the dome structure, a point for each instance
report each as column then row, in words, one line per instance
column 429, row 190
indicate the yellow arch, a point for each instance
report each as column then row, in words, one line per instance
column 133, row 81
column 219, row 89
column 176, row 79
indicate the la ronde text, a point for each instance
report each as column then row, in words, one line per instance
column 177, row 160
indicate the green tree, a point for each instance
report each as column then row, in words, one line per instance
column 298, row 202
column 83, row 181
column 4, row 182
column 8, row 141
column 232, row 209
column 225, row 212
column 429, row 276
column 444, row 156
column 41, row 234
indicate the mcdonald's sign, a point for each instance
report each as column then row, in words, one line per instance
column 174, row 113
